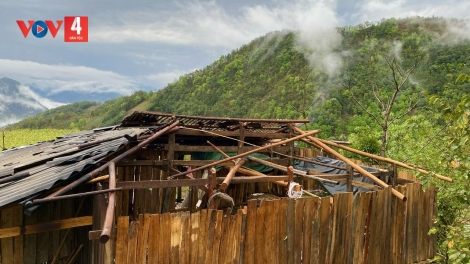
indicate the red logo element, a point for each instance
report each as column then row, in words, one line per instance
column 76, row 29
column 25, row 30
column 50, row 25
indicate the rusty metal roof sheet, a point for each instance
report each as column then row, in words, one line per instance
column 209, row 123
column 46, row 164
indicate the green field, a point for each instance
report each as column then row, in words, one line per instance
column 23, row 137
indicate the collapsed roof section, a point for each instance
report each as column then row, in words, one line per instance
column 29, row 170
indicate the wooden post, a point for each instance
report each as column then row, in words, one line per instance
column 212, row 183
column 241, row 138
column 170, row 155
column 394, row 175
column 349, row 180
column 291, row 149
column 109, row 217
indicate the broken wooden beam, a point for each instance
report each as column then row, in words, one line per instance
column 352, row 164
column 248, row 153
column 391, row 161
column 231, row 173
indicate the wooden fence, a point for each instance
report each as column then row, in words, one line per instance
column 372, row 227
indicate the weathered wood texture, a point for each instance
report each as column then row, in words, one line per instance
column 372, row 227
column 36, row 238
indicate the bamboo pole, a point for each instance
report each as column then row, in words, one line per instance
column 231, row 173
column 247, row 171
column 401, row 164
column 246, row 153
column 349, row 162
column 109, row 218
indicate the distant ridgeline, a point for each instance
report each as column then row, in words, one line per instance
column 270, row 78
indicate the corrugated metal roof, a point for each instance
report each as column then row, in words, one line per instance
column 209, row 123
column 50, row 162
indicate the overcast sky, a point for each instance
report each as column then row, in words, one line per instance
column 147, row 44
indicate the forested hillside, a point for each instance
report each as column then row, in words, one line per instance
column 270, row 78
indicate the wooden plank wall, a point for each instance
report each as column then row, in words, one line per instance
column 371, row 227
column 42, row 247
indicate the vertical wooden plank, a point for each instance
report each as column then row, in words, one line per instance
column 29, row 254
column 203, row 237
column 132, row 243
column 122, row 239
column 217, row 237
column 298, row 221
column 290, row 221
column 7, row 243
column 56, row 214
column 194, row 235
column 211, row 218
column 282, row 231
column 153, row 238
column 225, row 250
column 43, row 237
column 341, row 228
column 274, row 231
column 250, row 232
column 315, row 237
column 185, row 247
column 433, row 216
column 268, row 233
column 164, row 241
column 325, row 218
column 375, row 229
column 307, row 229
column 360, row 209
column 144, row 225
column 236, row 229
column 17, row 220
column 175, row 237
column 260, row 246
column 398, row 228
column 386, row 235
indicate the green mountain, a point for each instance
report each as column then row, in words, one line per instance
column 271, row 77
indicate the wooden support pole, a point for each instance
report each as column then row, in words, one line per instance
column 349, row 186
column 248, row 153
column 109, row 218
column 376, row 157
column 255, row 179
column 349, row 162
column 231, row 173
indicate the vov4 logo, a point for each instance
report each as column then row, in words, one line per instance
column 75, row 28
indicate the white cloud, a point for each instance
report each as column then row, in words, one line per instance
column 59, row 78
column 49, row 104
column 161, row 79
column 208, row 24
column 375, row 10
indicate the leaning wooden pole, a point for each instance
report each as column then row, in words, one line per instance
column 231, row 173
column 246, row 153
column 247, row 171
column 401, row 164
column 349, row 162
column 109, row 218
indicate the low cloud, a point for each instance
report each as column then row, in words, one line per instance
column 375, row 10
column 208, row 24
column 59, row 78
column 49, row 104
column 162, row 79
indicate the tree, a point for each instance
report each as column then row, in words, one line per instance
column 378, row 97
